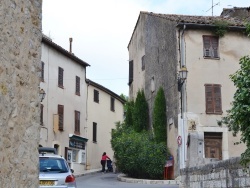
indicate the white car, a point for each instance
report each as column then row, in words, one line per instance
column 54, row 171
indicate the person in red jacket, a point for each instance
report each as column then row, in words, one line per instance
column 103, row 161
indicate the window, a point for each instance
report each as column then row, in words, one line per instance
column 77, row 85
column 112, row 104
column 42, row 72
column 77, row 122
column 60, row 114
column 94, row 131
column 143, row 63
column 41, row 114
column 131, row 72
column 96, row 96
column 210, row 46
column 83, row 158
column 75, row 155
column 60, row 77
column 213, row 99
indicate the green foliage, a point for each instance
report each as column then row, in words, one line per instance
column 137, row 154
column 140, row 112
column 129, row 113
column 159, row 117
column 237, row 118
column 248, row 29
column 221, row 27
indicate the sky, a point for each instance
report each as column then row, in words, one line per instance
column 101, row 30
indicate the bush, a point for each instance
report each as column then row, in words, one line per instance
column 137, row 154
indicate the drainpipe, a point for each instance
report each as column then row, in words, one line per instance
column 183, row 103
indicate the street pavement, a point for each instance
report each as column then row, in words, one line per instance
column 110, row 180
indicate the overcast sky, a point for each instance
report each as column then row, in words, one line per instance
column 101, row 30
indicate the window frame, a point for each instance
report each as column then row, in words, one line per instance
column 143, row 63
column 60, row 77
column 112, row 103
column 77, row 122
column 210, row 47
column 131, row 72
column 42, row 72
column 78, row 80
column 94, row 132
column 96, row 96
column 60, row 111
column 213, row 99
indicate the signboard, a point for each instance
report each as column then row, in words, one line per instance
column 76, row 144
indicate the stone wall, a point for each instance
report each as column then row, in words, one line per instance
column 20, row 54
column 222, row 174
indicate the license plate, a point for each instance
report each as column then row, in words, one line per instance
column 47, row 182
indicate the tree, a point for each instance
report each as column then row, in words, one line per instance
column 159, row 117
column 140, row 112
column 129, row 106
column 238, row 117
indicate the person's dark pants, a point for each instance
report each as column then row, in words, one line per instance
column 103, row 162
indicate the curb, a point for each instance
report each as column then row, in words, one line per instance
column 87, row 173
column 124, row 178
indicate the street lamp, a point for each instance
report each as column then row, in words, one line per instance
column 182, row 77
column 42, row 94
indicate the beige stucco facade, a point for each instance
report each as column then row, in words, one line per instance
column 100, row 114
column 53, row 57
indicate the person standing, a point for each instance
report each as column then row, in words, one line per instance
column 103, row 161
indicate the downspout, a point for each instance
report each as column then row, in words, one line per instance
column 183, row 102
column 86, row 127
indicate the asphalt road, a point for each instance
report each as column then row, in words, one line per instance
column 109, row 180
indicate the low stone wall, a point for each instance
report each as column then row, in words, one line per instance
column 228, row 173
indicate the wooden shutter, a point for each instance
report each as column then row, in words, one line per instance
column 41, row 114
column 77, row 85
column 96, row 95
column 209, row 98
column 77, row 122
column 213, row 99
column 217, row 99
column 60, row 113
column 214, row 44
column 42, row 72
column 206, row 44
column 60, row 77
column 94, row 131
column 112, row 104
column 131, row 72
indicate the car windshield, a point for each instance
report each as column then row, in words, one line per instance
column 52, row 165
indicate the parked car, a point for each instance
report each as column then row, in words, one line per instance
column 54, row 170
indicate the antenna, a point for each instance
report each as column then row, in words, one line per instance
column 213, row 5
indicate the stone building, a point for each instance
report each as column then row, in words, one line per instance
column 20, row 53
column 164, row 46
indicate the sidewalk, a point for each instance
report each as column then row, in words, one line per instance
column 86, row 172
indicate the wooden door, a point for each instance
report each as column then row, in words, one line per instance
column 213, row 145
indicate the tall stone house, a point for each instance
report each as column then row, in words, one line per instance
column 161, row 48
column 104, row 110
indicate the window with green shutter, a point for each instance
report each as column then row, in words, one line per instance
column 213, row 98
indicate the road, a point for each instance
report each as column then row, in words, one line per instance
column 109, row 180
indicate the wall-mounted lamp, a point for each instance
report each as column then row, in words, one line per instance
column 182, row 77
column 42, row 94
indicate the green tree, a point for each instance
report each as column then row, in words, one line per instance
column 129, row 113
column 238, row 117
column 140, row 112
column 159, row 117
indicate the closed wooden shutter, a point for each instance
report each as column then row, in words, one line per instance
column 94, row 131
column 131, row 72
column 112, row 104
column 60, row 114
column 209, row 98
column 214, row 43
column 96, row 95
column 60, row 77
column 77, row 85
column 217, row 99
column 41, row 114
column 213, row 99
column 77, row 122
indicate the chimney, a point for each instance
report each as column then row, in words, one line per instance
column 70, row 44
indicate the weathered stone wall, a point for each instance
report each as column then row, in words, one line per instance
column 223, row 174
column 20, row 54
